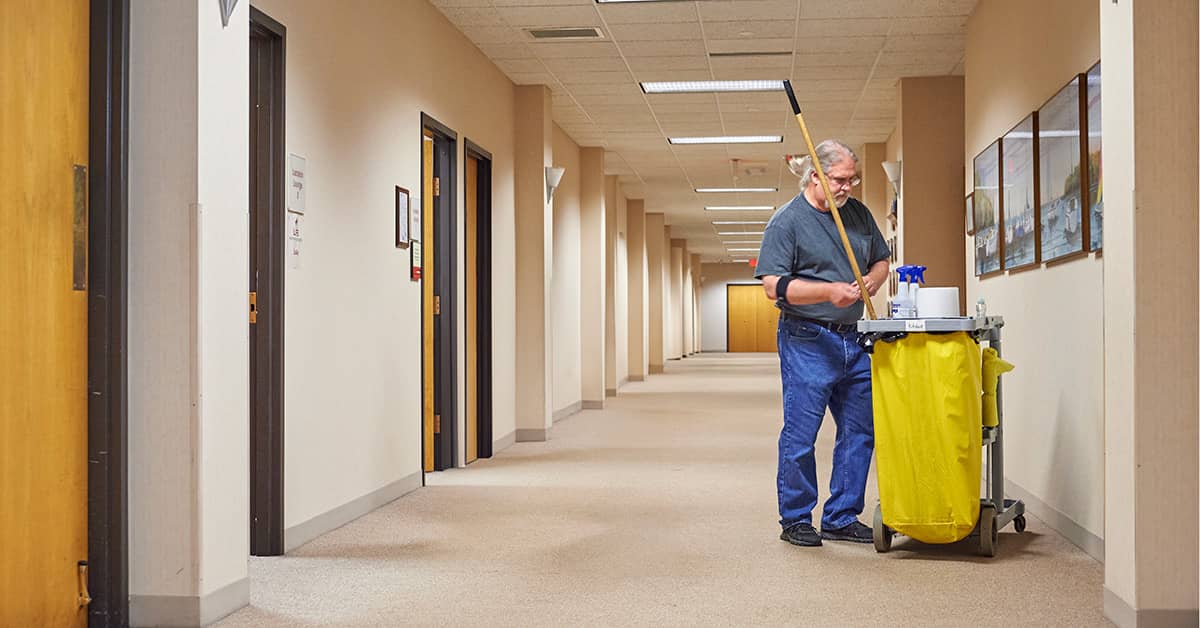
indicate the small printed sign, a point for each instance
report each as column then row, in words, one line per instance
column 416, row 259
column 914, row 325
column 296, row 184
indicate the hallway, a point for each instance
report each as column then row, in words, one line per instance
column 659, row 510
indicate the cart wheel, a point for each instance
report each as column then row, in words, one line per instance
column 1019, row 523
column 987, row 530
column 881, row 534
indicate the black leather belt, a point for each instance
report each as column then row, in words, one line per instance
column 840, row 328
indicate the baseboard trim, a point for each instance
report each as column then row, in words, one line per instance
column 593, row 405
column 504, row 442
column 533, row 435
column 656, row 369
column 568, row 411
column 302, row 533
column 637, row 378
column 1122, row 614
column 188, row 610
column 611, row 392
column 1082, row 537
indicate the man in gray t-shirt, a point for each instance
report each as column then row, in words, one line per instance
column 803, row 266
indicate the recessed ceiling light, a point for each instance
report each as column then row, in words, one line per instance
column 742, row 250
column 728, row 139
column 752, row 53
column 693, row 87
column 744, row 261
column 739, row 222
column 739, row 233
column 739, row 208
column 734, row 190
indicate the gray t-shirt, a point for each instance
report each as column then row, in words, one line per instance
column 803, row 241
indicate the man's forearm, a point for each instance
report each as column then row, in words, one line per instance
column 878, row 275
column 799, row 291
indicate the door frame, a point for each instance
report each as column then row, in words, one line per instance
column 482, row 285
column 267, row 422
column 445, row 278
column 108, row 291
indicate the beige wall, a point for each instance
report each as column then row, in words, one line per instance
column 637, row 306
column 565, row 282
column 655, row 238
column 1054, row 400
column 353, row 381
column 592, row 266
column 714, row 308
column 934, row 217
column 875, row 187
column 616, row 342
column 687, row 304
column 675, row 311
column 188, row 345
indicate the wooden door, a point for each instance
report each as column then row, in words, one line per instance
column 767, row 316
column 427, row 257
column 471, row 183
column 742, row 316
column 43, row 310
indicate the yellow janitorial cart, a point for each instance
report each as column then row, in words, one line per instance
column 936, row 393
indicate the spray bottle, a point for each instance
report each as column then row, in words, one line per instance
column 901, row 304
column 917, row 276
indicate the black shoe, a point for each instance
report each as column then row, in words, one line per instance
column 801, row 534
column 856, row 532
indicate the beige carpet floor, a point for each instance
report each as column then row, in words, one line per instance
column 658, row 511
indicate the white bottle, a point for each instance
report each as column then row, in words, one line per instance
column 901, row 306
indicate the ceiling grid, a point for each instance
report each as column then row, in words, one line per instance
column 845, row 58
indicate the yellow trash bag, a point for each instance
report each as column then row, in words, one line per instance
column 926, row 390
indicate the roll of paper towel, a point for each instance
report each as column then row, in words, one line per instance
column 937, row 303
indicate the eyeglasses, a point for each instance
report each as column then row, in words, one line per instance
column 844, row 182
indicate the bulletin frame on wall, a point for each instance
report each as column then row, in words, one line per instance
column 1094, row 191
column 1019, row 196
column 1060, row 153
column 988, row 179
column 402, row 209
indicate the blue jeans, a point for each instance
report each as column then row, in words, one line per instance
column 823, row 368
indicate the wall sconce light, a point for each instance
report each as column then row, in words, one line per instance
column 892, row 169
column 553, row 177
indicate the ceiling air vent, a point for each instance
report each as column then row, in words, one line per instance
column 561, row 34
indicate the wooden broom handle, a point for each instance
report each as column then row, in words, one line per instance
column 837, row 217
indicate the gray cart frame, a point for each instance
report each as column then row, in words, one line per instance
column 995, row 511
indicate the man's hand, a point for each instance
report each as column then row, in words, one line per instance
column 872, row 284
column 844, row 294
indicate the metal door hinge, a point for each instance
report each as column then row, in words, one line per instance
column 437, row 186
column 85, row 598
column 437, row 305
column 253, row 308
column 437, row 424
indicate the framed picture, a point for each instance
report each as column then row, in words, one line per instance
column 969, row 202
column 986, row 202
column 414, row 219
column 1059, row 154
column 1095, row 187
column 402, row 232
column 1019, row 207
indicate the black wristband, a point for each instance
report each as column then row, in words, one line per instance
column 781, row 287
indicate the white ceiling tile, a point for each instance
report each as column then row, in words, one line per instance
column 605, row 89
column 573, row 78
column 809, row 28
column 728, row 11
column 750, row 30
column 959, row 69
column 855, row 44
column 549, row 16
column 588, row 100
column 598, row 64
column 492, row 34
column 506, row 51
column 733, row 73
column 822, row 60
column 642, row 64
column 509, row 66
column 472, row 16
column 649, row 13
column 952, row 25
column 955, row 43
column 461, row 3
column 662, row 48
column 530, row 78
column 656, row 100
column 501, row 3
column 757, row 45
column 572, row 50
column 752, row 63
column 669, row 31
column 673, row 75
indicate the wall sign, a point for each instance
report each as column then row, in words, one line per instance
column 296, row 184
column 416, row 260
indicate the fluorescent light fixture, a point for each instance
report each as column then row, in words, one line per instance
column 742, row 250
column 728, row 242
column 734, row 190
column 700, row 87
column 739, row 233
column 728, row 139
column 739, row 208
column 739, row 222
column 742, row 261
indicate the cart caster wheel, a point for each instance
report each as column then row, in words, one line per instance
column 1019, row 523
column 881, row 534
column 987, row 531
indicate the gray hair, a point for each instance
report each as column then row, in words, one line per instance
column 829, row 152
